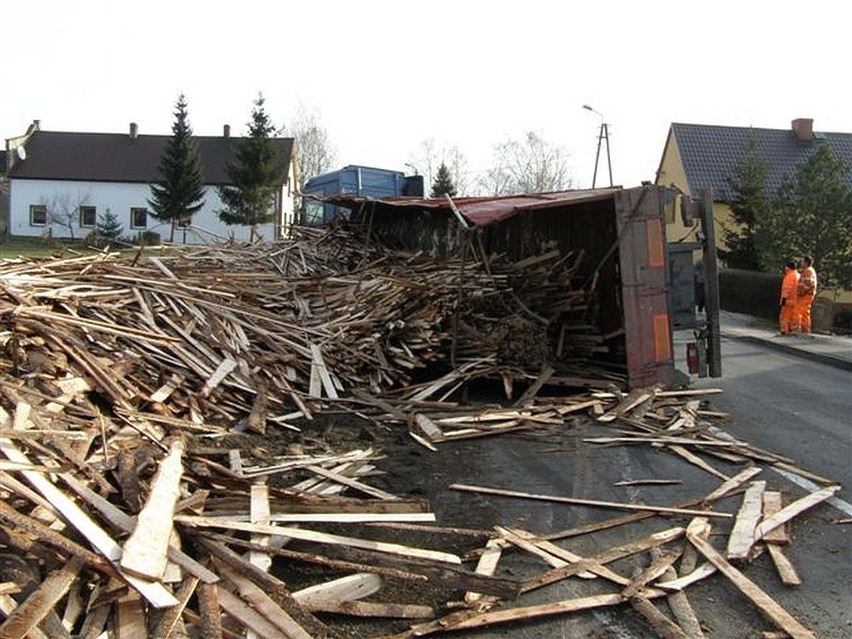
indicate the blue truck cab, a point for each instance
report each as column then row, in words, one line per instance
column 361, row 181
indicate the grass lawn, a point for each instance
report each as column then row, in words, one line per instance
column 36, row 247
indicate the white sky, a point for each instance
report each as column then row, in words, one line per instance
column 383, row 76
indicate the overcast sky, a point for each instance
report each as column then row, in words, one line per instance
column 383, row 76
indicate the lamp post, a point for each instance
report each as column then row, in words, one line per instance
column 603, row 134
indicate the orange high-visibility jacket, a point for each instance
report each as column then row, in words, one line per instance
column 807, row 281
column 789, row 286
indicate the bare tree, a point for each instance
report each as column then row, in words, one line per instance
column 531, row 165
column 430, row 157
column 63, row 209
column 315, row 155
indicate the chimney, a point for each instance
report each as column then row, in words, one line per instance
column 36, row 125
column 226, row 131
column 803, row 128
column 134, row 130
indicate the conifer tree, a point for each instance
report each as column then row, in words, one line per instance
column 254, row 174
column 179, row 193
column 107, row 230
column 750, row 203
column 443, row 184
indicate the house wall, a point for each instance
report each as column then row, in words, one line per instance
column 119, row 198
column 671, row 173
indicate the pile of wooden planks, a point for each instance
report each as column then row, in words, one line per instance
column 260, row 332
column 132, row 506
column 146, row 529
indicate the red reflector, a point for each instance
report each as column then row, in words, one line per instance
column 656, row 252
column 662, row 343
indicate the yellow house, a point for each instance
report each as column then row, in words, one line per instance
column 700, row 156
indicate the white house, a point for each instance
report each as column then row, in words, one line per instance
column 62, row 183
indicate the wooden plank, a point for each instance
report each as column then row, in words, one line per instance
column 643, row 482
column 696, row 460
column 729, row 485
column 29, row 614
column 701, row 572
column 586, row 502
column 521, row 613
column 772, row 503
column 426, row 426
column 259, row 514
column 352, row 518
column 155, row 593
column 210, row 617
column 700, row 526
column 535, row 387
column 763, row 601
column 604, row 557
column 130, row 618
column 318, row 362
column 741, row 538
column 318, row 537
column 283, row 624
column 248, row 616
column 378, row 609
column 658, row 566
column 485, row 565
column 145, row 553
column 682, row 610
column 793, row 509
column 785, row 568
column 555, row 556
column 126, row 523
column 662, row 625
column 349, row 588
column 171, row 617
column 352, row 483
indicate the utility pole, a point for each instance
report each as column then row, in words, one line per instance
column 603, row 135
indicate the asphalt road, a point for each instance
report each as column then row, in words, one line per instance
column 779, row 402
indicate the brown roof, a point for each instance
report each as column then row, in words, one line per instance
column 115, row 157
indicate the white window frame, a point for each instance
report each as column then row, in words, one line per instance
column 91, row 210
column 134, row 211
column 38, row 209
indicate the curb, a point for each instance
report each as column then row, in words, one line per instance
column 822, row 358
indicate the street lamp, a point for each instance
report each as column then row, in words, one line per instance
column 412, row 167
column 603, row 134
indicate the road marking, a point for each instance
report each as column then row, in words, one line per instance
column 843, row 506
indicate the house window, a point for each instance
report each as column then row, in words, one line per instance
column 38, row 215
column 88, row 217
column 138, row 218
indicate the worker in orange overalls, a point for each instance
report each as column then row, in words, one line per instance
column 787, row 318
column 805, row 293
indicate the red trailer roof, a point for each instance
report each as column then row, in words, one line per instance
column 482, row 211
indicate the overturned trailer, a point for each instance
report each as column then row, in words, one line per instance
column 635, row 279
